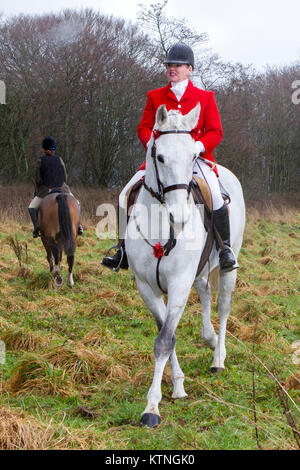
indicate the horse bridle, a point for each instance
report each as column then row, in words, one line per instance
column 160, row 194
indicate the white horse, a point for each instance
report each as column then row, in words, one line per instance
column 169, row 161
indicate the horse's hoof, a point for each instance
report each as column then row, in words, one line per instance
column 150, row 420
column 216, row 370
column 58, row 281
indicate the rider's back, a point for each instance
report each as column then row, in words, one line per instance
column 52, row 171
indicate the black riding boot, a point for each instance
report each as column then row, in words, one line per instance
column 34, row 217
column 118, row 260
column 226, row 257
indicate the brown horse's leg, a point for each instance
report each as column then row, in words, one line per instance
column 47, row 246
column 56, row 270
column 70, row 260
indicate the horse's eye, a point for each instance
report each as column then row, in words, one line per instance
column 160, row 158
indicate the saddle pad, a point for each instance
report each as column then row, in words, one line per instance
column 205, row 195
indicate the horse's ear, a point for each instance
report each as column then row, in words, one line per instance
column 193, row 116
column 161, row 115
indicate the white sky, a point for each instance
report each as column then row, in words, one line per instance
column 260, row 32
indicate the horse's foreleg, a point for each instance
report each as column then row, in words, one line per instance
column 157, row 307
column 208, row 332
column 177, row 377
column 177, row 374
column 227, row 283
column 164, row 348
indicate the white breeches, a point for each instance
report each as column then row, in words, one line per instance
column 201, row 170
column 36, row 202
column 204, row 171
column 122, row 197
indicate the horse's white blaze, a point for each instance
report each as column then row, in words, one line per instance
column 177, row 271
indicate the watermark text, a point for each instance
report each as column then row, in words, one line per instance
column 2, row 92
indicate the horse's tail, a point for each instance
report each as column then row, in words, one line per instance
column 65, row 224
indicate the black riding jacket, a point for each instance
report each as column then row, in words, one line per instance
column 50, row 173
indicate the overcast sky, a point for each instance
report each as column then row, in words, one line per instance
column 260, row 32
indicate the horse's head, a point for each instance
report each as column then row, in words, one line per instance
column 171, row 155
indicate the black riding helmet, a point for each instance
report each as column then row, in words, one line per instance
column 180, row 53
column 49, row 144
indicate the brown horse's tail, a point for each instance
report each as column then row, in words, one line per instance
column 65, row 224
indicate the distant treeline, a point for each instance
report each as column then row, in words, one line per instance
column 82, row 77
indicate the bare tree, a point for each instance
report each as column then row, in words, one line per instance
column 165, row 31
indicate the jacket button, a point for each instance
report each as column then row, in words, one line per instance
column 179, row 106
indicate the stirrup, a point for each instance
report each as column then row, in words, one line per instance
column 121, row 259
column 233, row 266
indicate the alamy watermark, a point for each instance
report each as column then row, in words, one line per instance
column 296, row 94
column 2, row 92
column 151, row 223
column 2, row 352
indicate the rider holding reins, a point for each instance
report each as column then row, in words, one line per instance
column 50, row 176
column 181, row 95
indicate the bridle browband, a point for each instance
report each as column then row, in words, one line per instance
column 160, row 194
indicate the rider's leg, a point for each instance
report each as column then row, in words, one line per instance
column 119, row 259
column 220, row 215
column 33, row 212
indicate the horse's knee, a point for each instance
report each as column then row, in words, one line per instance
column 225, row 303
column 164, row 344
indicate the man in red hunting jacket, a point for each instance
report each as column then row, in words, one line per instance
column 181, row 95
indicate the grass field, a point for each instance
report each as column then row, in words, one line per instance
column 79, row 361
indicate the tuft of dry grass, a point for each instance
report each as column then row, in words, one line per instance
column 34, row 372
column 97, row 337
column 17, row 338
column 293, row 382
column 86, row 365
column 248, row 332
column 266, row 260
column 104, row 309
column 18, row 431
column 294, row 235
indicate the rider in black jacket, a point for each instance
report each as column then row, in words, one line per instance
column 50, row 174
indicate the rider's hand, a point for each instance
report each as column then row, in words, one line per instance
column 199, row 147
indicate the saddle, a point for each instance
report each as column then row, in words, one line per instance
column 43, row 191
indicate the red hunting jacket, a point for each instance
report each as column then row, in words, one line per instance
column 209, row 125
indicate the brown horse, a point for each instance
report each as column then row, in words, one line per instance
column 58, row 220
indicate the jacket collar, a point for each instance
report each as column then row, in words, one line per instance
column 186, row 94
